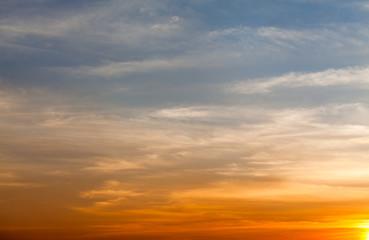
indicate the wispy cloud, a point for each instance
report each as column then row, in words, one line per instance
column 90, row 19
column 102, row 29
column 274, row 33
column 110, row 164
column 111, row 192
column 351, row 75
column 114, row 69
column 182, row 113
column 363, row 5
column 214, row 116
column 10, row 179
column 366, row 5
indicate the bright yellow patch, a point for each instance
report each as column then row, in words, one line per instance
column 366, row 236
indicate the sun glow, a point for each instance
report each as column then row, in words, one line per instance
column 366, row 235
column 365, row 227
column 364, row 224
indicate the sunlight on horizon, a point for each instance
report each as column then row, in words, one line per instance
column 366, row 235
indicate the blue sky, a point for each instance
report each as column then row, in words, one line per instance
column 219, row 92
column 57, row 44
column 271, row 37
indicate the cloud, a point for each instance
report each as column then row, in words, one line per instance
column 172, row 25
column 275, row 33
column 10, row 179
column 58, row 173
column 99, row 29
column 229, row 49
column 112, row 193
column 121, row 68
column 10, row 97
column 354, row 114
column 276, row 192
column 109, row 164
column 268, row 38
column 172, row 141
column 330, row 77
column 182, row 113
column 366, row 5
column 363, row 5
column 117, row 38
column 153, row 162
column 116, row 69
column 221, row 115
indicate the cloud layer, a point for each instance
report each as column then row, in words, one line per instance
column 145, row 119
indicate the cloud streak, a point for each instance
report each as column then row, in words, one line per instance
column 116, row 69
column 330, row 77
column 111, row 192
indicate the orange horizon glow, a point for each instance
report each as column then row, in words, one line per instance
column 117, row 199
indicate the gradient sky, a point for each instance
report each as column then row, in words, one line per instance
column 184, row 119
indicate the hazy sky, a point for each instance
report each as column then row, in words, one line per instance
column 184, row 119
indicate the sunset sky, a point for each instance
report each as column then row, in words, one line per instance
column 184, row 120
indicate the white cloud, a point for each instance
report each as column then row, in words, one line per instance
column 354, row 114
column 225, row 115
column 180, row 113
column 245, row 37
column 357, row 75
column 275, row 33
column 364, row 5
column 171, row 25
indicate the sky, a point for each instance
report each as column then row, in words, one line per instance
column 184, row 119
